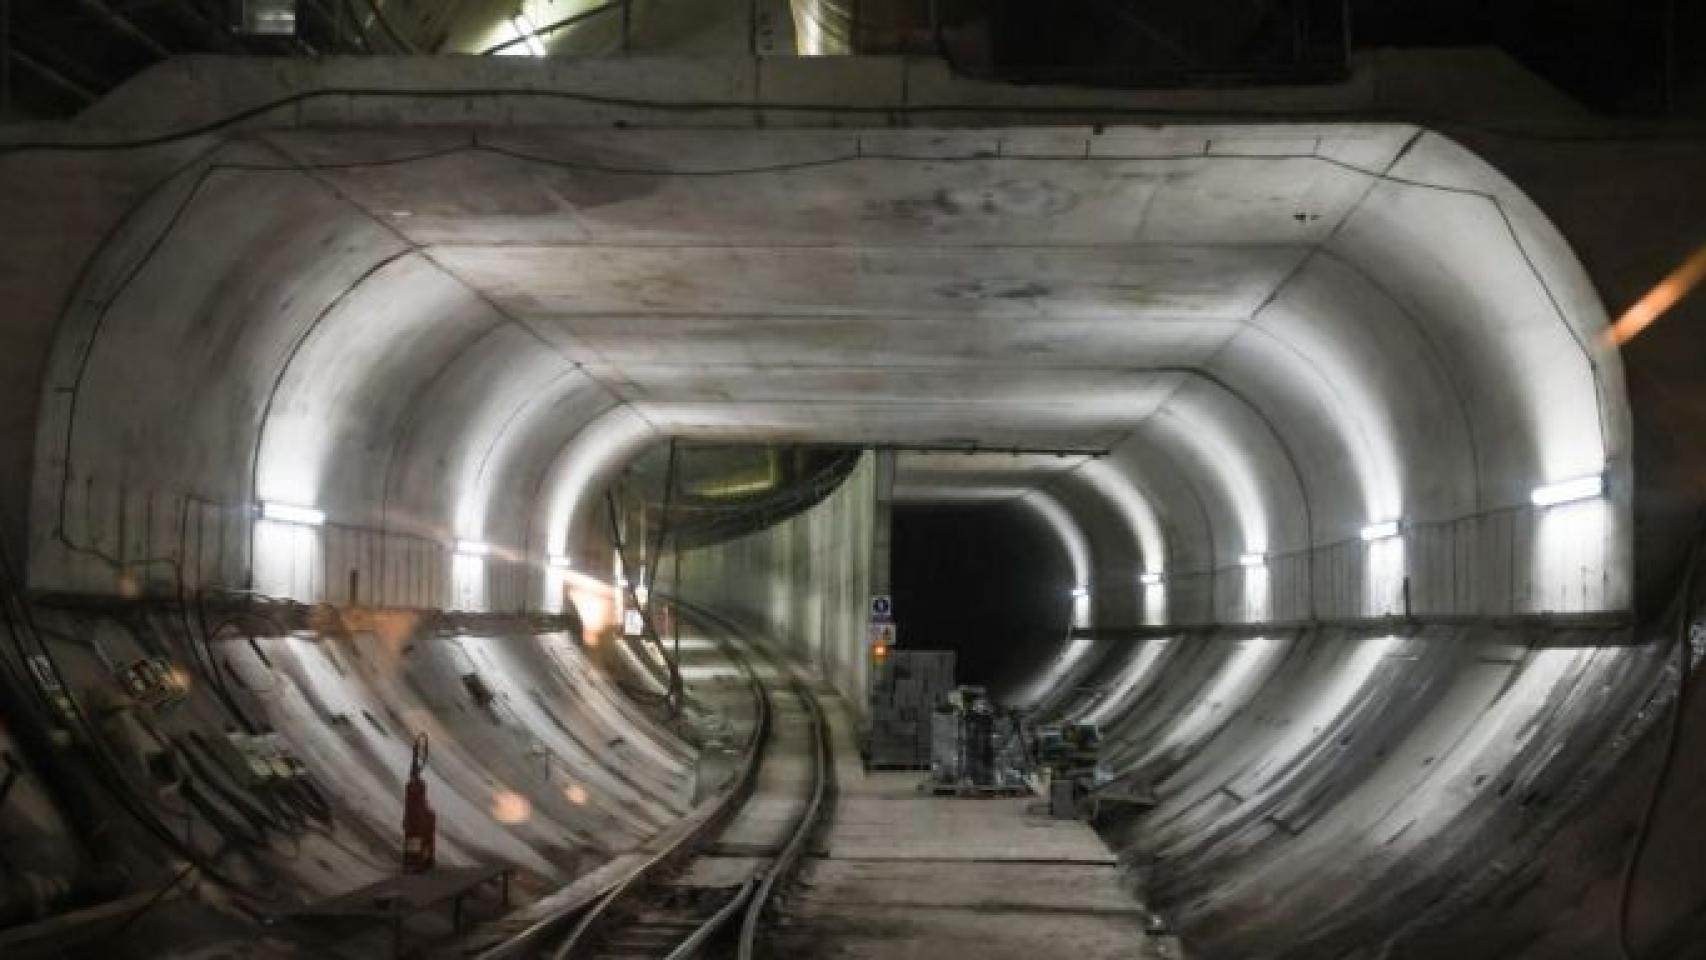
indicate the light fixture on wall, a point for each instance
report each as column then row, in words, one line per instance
column 1080, row 592
column 290, row 513
column 559, row 561
column 1150, row 579
column 1384, row 530
column 473, row 548
column 1569, row 491
column 1253, row 560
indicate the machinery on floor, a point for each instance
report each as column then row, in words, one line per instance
column 975, row 747
column 1068, row 757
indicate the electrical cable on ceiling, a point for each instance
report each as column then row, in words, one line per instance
column 885, row 112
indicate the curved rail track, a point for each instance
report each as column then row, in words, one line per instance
column 651, row 913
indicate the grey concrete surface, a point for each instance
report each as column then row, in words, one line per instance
column 903, row 874
column 446, row 300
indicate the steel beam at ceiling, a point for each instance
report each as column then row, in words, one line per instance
column 52, row 76
column 119, row 24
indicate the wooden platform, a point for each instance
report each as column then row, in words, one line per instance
column 972, row 790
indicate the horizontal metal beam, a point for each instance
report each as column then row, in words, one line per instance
column 53, row 76
column 119, row 24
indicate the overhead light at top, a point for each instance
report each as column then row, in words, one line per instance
column 1253, row 560
column 559, row 561
column 1080, row 593
column 267, row 18
column 1380, row 531
column 528, row 33
column 473, row 548
column 288, row 513
column 1568, row 491
column 1149, row 579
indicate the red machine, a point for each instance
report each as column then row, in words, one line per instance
column 420, row 824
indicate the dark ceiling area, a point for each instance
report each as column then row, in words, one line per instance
column 1636, row 57
column 989, row 582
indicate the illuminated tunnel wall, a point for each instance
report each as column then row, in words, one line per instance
column 806, row 582
column 1259, row 340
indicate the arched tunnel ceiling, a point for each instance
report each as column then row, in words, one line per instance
column 1263, row 338
column 1249, row 342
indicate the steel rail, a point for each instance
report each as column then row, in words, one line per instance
column 755, row 894
column 581, row 934
column 783, row 866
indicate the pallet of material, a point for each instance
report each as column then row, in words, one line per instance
column 936, row 789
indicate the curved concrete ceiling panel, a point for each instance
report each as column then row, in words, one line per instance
column 1211, row 353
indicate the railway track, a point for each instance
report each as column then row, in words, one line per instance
column 706, row 894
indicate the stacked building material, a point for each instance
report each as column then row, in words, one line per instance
column 905, row 686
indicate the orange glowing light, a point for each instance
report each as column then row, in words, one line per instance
column 511, row 807
column 596, row 602
column 179, row 678
column 576, row 794
column 1660, row 299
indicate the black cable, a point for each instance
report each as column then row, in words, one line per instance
column 111, row 777
column 647, row 628
column 1673, row 739
column 1151, row 113
column 553, row 27
column 153, row 901
column 391, row 34
column 677, row 687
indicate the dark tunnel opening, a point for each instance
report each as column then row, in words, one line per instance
column 989, row 582
column 992, row 584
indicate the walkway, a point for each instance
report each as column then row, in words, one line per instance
column 903, row 875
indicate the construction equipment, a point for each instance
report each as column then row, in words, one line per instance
column 975, row 747
column 1067, row 757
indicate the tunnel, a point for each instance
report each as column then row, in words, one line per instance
column 340, row 391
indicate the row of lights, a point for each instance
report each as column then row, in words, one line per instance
column 1550, row 495
column 1553, row 494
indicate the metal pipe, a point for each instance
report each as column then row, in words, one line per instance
column 402, row 44
column 553, row 27
column 120, row 25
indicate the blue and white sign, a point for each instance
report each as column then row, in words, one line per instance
column 882, row 608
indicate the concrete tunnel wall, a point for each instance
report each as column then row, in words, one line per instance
column 806, row 582
column 1339, row 324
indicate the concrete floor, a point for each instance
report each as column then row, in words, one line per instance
column 902, row 875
